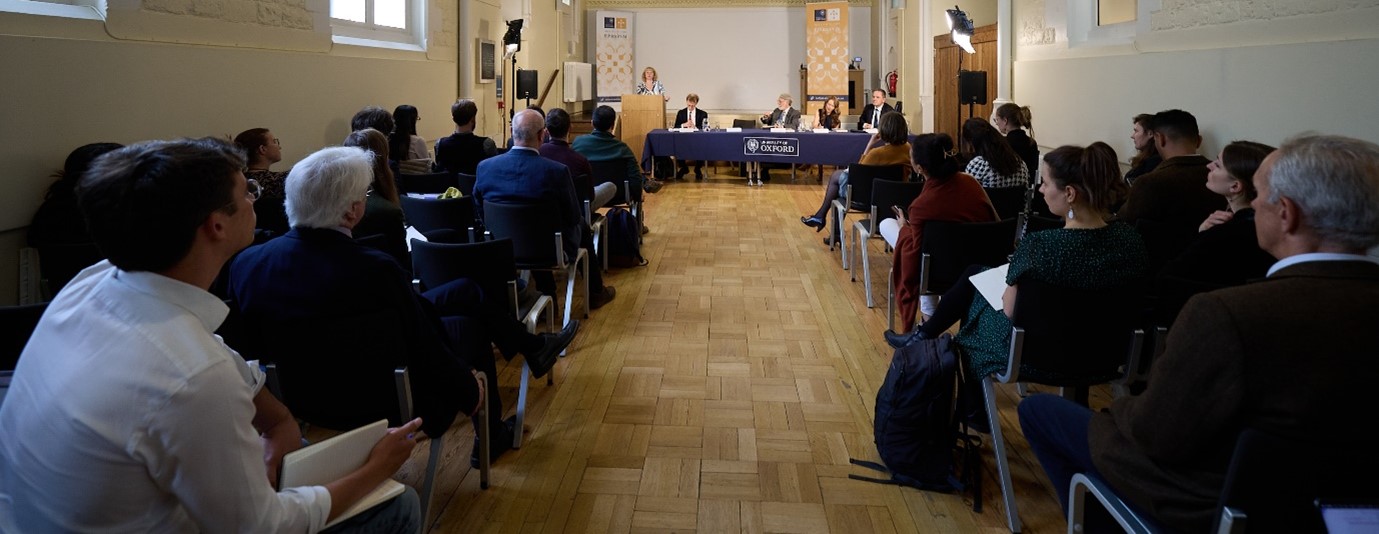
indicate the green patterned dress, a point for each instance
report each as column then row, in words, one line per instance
column 1106, row 257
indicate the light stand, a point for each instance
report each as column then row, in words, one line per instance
column 961, row 27
column 512, row 43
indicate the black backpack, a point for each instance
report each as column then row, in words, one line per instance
column 915, row 427
column 624, row 238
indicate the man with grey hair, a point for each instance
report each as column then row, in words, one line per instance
column 317, row 270
column 1237, row 358
column 522, row 175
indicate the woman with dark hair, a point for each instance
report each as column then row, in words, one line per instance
column 382, row 209
column 262, row 149
column 829, row 115
column 58, row 220
column 994, row 164
column 948, row 195
column 1146, row 153
column 1226, row 251
column 1012, row 120
column 890, row 145
column 1080, row 184
column 404, row 141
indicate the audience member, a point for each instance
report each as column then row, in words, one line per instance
column 829, row 116
column 382, row 208
column 557, row 148
column 872, row 112
column 404, row 145
column 691, row 117
column 1225, row 252
column 174, row 432
column 462, row 151
column 1147, row 156
column 601, row 145
column 263, row 149
column 993, row 163
column 784, row 115
column 317, row 270
column 1016, row 123
column 372, row 117
column 890, row 145
column 58, row 221
column 1235, row 358
column 522, row 175
column 1169, row 203
column 948, row 195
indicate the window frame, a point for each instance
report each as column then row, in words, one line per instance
column 370, row 33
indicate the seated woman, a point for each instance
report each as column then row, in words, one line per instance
column 404, row 145
column 1012, row 120
column 829, row 116
column 1087, row 253
column 948, row 195
column 1226, row 252
column 263, row 149
column 59, row 221
column 994, row 164
column 890, row 145
column 382, row 209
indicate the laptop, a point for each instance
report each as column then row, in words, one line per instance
column 332, row 459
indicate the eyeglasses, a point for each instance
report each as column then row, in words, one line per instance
column 278, row 141
column 252, row 189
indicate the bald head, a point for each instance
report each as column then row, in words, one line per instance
column 526, row 128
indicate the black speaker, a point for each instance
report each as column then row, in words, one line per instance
column 526, row 83
column 971, row 87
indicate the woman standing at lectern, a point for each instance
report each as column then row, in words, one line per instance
column 651, row 84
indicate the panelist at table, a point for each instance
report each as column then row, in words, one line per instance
column 829, row 117
column 783, row 116
column 871, row 113
column 690, row 117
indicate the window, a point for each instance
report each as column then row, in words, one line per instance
column 1115, row 11
column 379, row 20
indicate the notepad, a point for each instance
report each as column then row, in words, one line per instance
column 991, row 283
column 732, row 130
column 332, row 459
column 821, row 130
column 782, row 130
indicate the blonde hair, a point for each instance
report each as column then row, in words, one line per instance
column 654, row 76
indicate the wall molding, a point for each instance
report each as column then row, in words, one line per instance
column 591, row 5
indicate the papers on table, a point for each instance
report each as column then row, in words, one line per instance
column 871, row 130
column 733, row 130
column 782, row 130
column 684, row 129
column 991, row 283
column 821, row 130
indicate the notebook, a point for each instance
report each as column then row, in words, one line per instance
column 332, row 459
column 991, row 283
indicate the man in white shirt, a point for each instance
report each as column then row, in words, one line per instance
column 127, row 413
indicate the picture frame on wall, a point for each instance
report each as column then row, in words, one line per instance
column 487, row 64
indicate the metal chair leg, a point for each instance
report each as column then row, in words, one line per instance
column 482, row 429
column 521, row 406
column 999, row 451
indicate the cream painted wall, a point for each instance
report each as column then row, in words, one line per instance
column 982, row 13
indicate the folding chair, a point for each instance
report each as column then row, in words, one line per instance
column 426, row 183
column 855, row 197
column 538, row 244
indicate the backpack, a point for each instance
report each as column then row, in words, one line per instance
column 915, row 431
column 624, row 238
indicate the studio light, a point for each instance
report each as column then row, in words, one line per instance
column 512, row 40
column 961, row 26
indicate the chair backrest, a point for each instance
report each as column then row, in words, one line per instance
column 615, row 171
column 887, row 193
column 489, row 263
column 860, row 178
column 17, row 324
column 466, row 182
column 60, row 263
column 1275, row 481
column 428, row 214
column 531, row 227
column 1009, row 201
column 1083, row 335
column 953, row 246
column 426, row 183
column 744, row 123
column 584, row 184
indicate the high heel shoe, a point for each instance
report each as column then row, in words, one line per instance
column 813, row 222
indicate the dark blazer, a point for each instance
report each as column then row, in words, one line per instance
column 866, row 116
column 790, row 120
column 522, row 175
column 1292, row 355
column 681, row 117
column 315, row 273
column 1224, row 255
column 1174, row 199
column 559, row 151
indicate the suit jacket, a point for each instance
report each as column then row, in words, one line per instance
column 1174, row 199
column 320, row 273
column 682, row 116
column 791, row 119
column 866, row 116
column 1237, row 358
column 462, row 152
column 522, row 175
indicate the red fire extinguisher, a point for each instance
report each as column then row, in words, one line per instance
column 891, row 79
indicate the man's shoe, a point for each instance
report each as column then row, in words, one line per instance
column 499, row 442
column 597, row 300
column 698, row 175
column 652, row 186
column 646, row 229
column 680, row 174
column 541, row 360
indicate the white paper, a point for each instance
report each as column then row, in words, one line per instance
column 871, row 130
column 991, row 283
column 733, row 129
column 821, row 130
column 781, row 130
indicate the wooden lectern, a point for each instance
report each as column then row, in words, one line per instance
column 640, row 115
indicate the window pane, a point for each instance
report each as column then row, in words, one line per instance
column 347, row 9
column 390, row 13
column 1115, row 11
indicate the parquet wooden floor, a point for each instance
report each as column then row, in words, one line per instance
column 724, row 390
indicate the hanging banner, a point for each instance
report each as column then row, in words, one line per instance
column 613, row 56
column 826, row 53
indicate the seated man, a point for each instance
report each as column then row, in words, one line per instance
column 872, row 112
column 317, row 270
column 1235, row 358
column 372, row 117
column 600, row 145
column 462, row 151
column 690, row 117
column 557, row 148
column 522, row 175
column 155, row 423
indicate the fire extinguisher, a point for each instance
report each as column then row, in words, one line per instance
column 891, row 79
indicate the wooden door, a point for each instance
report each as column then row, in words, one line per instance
column 946, row 54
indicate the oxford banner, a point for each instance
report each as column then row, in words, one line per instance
column 613, row 56
column 826, row 43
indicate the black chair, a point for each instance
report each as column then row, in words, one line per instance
column 583, row 186
column 949, row 248
column 433, row 183
column 1096, row 348
column 885, row 194
column 538, row 244
column 466, row 182
column 1009, row 201
column 17, row 325
column 629, row 194
column 490, row 264
column 59, row 264
column 430, row 214
column 856, row 197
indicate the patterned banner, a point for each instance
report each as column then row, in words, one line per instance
column 826, row 41
column 614, row 57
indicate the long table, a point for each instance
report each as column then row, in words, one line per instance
column 757, row 146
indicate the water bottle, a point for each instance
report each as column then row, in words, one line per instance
column 704, row 124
